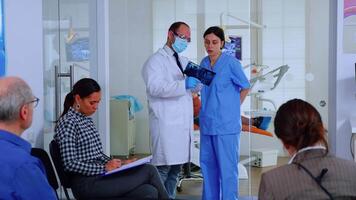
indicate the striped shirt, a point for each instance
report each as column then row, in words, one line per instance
column 80, row 145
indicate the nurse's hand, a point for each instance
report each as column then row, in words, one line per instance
column 191, row 82
column 112, row 164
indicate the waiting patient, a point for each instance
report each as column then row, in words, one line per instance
column 312, row 173
column 22, row 176
column 83, row 158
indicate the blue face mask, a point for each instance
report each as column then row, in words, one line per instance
column 179, row 44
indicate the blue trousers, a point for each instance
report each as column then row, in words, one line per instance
column 169, row 176
column 219, row 156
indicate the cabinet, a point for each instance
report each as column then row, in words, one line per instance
column 122, row 128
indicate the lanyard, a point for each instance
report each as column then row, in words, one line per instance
column 316, row 179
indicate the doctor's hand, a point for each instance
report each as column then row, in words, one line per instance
column 191, row 82
column 197, row 88
column 112, row 164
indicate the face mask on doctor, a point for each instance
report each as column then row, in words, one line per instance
column 179, row 44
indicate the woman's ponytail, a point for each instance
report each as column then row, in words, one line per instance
column 68, row 102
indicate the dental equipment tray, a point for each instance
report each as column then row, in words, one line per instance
column 204, row 75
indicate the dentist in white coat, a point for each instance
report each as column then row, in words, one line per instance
column 170, row 106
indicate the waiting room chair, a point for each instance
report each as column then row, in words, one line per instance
column 51, row 176
column 57, row 160
column 63, row 176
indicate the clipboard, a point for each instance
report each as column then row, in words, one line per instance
column 196, row 71
column 130, row 165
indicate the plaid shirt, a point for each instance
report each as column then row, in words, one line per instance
column 80, row 145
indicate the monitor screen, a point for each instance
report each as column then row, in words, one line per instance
column 234, row 47
column 78, row 50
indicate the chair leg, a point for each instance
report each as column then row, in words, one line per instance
column 66, row 193
column 55, row 191
column 187, row 175
column 186, row 170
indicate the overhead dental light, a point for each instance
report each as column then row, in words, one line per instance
column 247, row 24
column 71, row 33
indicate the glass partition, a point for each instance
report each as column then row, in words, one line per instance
column 139, row 28
column 279, row 43
column 69, row 38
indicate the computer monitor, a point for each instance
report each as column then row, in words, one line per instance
column 78, row 50
column 234, row 47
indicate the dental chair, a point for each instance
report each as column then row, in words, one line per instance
column 261, row 83
column 268, row 77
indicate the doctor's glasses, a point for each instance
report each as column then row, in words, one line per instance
column 181, row 36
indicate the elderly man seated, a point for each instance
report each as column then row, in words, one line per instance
column 21, row 176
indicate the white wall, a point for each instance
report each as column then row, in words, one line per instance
column 317, row 54
column 23, row 39
column 103, row 73
column 283, row 43
column 345, row 91
column 130, row 35
column 136, row 32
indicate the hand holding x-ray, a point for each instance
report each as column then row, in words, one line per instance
column 197, row 88
column 193, row 84
column 204, row 75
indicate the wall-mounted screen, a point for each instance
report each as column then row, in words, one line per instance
column 233, row 47
column 78, row 50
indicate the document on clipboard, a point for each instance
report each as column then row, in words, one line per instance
column 130, row 165
column 201, row 73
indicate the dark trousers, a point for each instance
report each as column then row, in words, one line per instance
column 137, row 183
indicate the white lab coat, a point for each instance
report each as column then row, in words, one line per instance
column 170, row 109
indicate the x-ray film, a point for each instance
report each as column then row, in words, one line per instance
column 204, row 75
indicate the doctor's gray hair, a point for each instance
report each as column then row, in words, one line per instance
column 12, row 98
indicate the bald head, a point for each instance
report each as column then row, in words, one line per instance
column 14, row 93
column 179, row 29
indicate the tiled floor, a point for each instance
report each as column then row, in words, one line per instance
column 248, row 188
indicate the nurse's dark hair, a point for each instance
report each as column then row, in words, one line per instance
column 84, row 88
column 298, row 124
column 219, row 32
column 176, row 25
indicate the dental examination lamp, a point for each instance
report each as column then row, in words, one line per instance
column 71, row 35
column 249, row 24
column 277, row 73
column 263, row 83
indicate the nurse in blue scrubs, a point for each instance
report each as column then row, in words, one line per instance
column 220, row 119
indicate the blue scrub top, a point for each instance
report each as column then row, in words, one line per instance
column 220, row 110
column 22, row 176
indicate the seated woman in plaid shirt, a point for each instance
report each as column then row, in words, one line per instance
column 83, row 157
